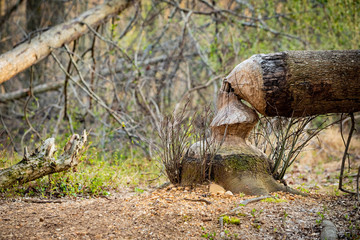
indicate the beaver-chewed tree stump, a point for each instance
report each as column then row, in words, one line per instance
column 237, row 166
column 289, row 84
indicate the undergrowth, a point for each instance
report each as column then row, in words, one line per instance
column 98, row 174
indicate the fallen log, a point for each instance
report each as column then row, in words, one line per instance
column 41, row 162
column 55, row 85
column 39, row 47
column 299, row 83
column 21, row 93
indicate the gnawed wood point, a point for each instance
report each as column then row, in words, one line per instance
column 234, row 120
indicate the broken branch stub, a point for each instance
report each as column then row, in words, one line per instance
column 41, row 162
column 299, row 83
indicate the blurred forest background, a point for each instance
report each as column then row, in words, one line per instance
column 140, row 66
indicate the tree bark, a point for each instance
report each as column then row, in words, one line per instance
column 299, row 83
column 29, row 53
column 42, row 163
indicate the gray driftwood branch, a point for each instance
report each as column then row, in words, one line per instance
column 42, row 162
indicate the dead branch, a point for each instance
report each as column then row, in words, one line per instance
column 41, row 162
column 30, row 53
column 50, row 86
column 43, row 201
column 198, row 200
column 347, row 145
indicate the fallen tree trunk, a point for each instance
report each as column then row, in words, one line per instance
column 42, row 163
column 32, row 52
column 299, row 83
column 51, row 86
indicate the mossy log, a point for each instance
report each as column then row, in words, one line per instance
column 299, row 83
column 41, row 162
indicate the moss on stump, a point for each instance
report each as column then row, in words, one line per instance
column 240, row 168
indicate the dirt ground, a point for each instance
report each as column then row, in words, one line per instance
column 172, row 213
column 194, row 213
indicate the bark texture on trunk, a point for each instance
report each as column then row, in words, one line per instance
column 299, row 83
column 42, row 163
column 31, row 52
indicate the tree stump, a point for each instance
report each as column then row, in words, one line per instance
column 237, row 166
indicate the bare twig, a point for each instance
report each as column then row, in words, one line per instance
column 8, row 132
column 357, row 184
column 42, row 201
column 198, row 200
column 84, row 86
column 66, row 83
column 251, row 200
column 346, row 154
column 127, row 57
column 31, row 128
column 186, row 95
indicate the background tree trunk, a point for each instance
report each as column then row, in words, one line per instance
column 33, row 15
column 38, row 19
column 37, row 13
column 299, row 83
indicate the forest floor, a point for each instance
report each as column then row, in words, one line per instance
column 179, row 213
column 169, row 214
column 193, row 213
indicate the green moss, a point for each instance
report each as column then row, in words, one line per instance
column 231, row 220
column 245, row 162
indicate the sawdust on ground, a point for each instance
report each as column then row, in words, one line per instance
column 177, row 213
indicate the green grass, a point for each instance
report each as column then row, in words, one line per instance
column 95, row 176
column 231, row 220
